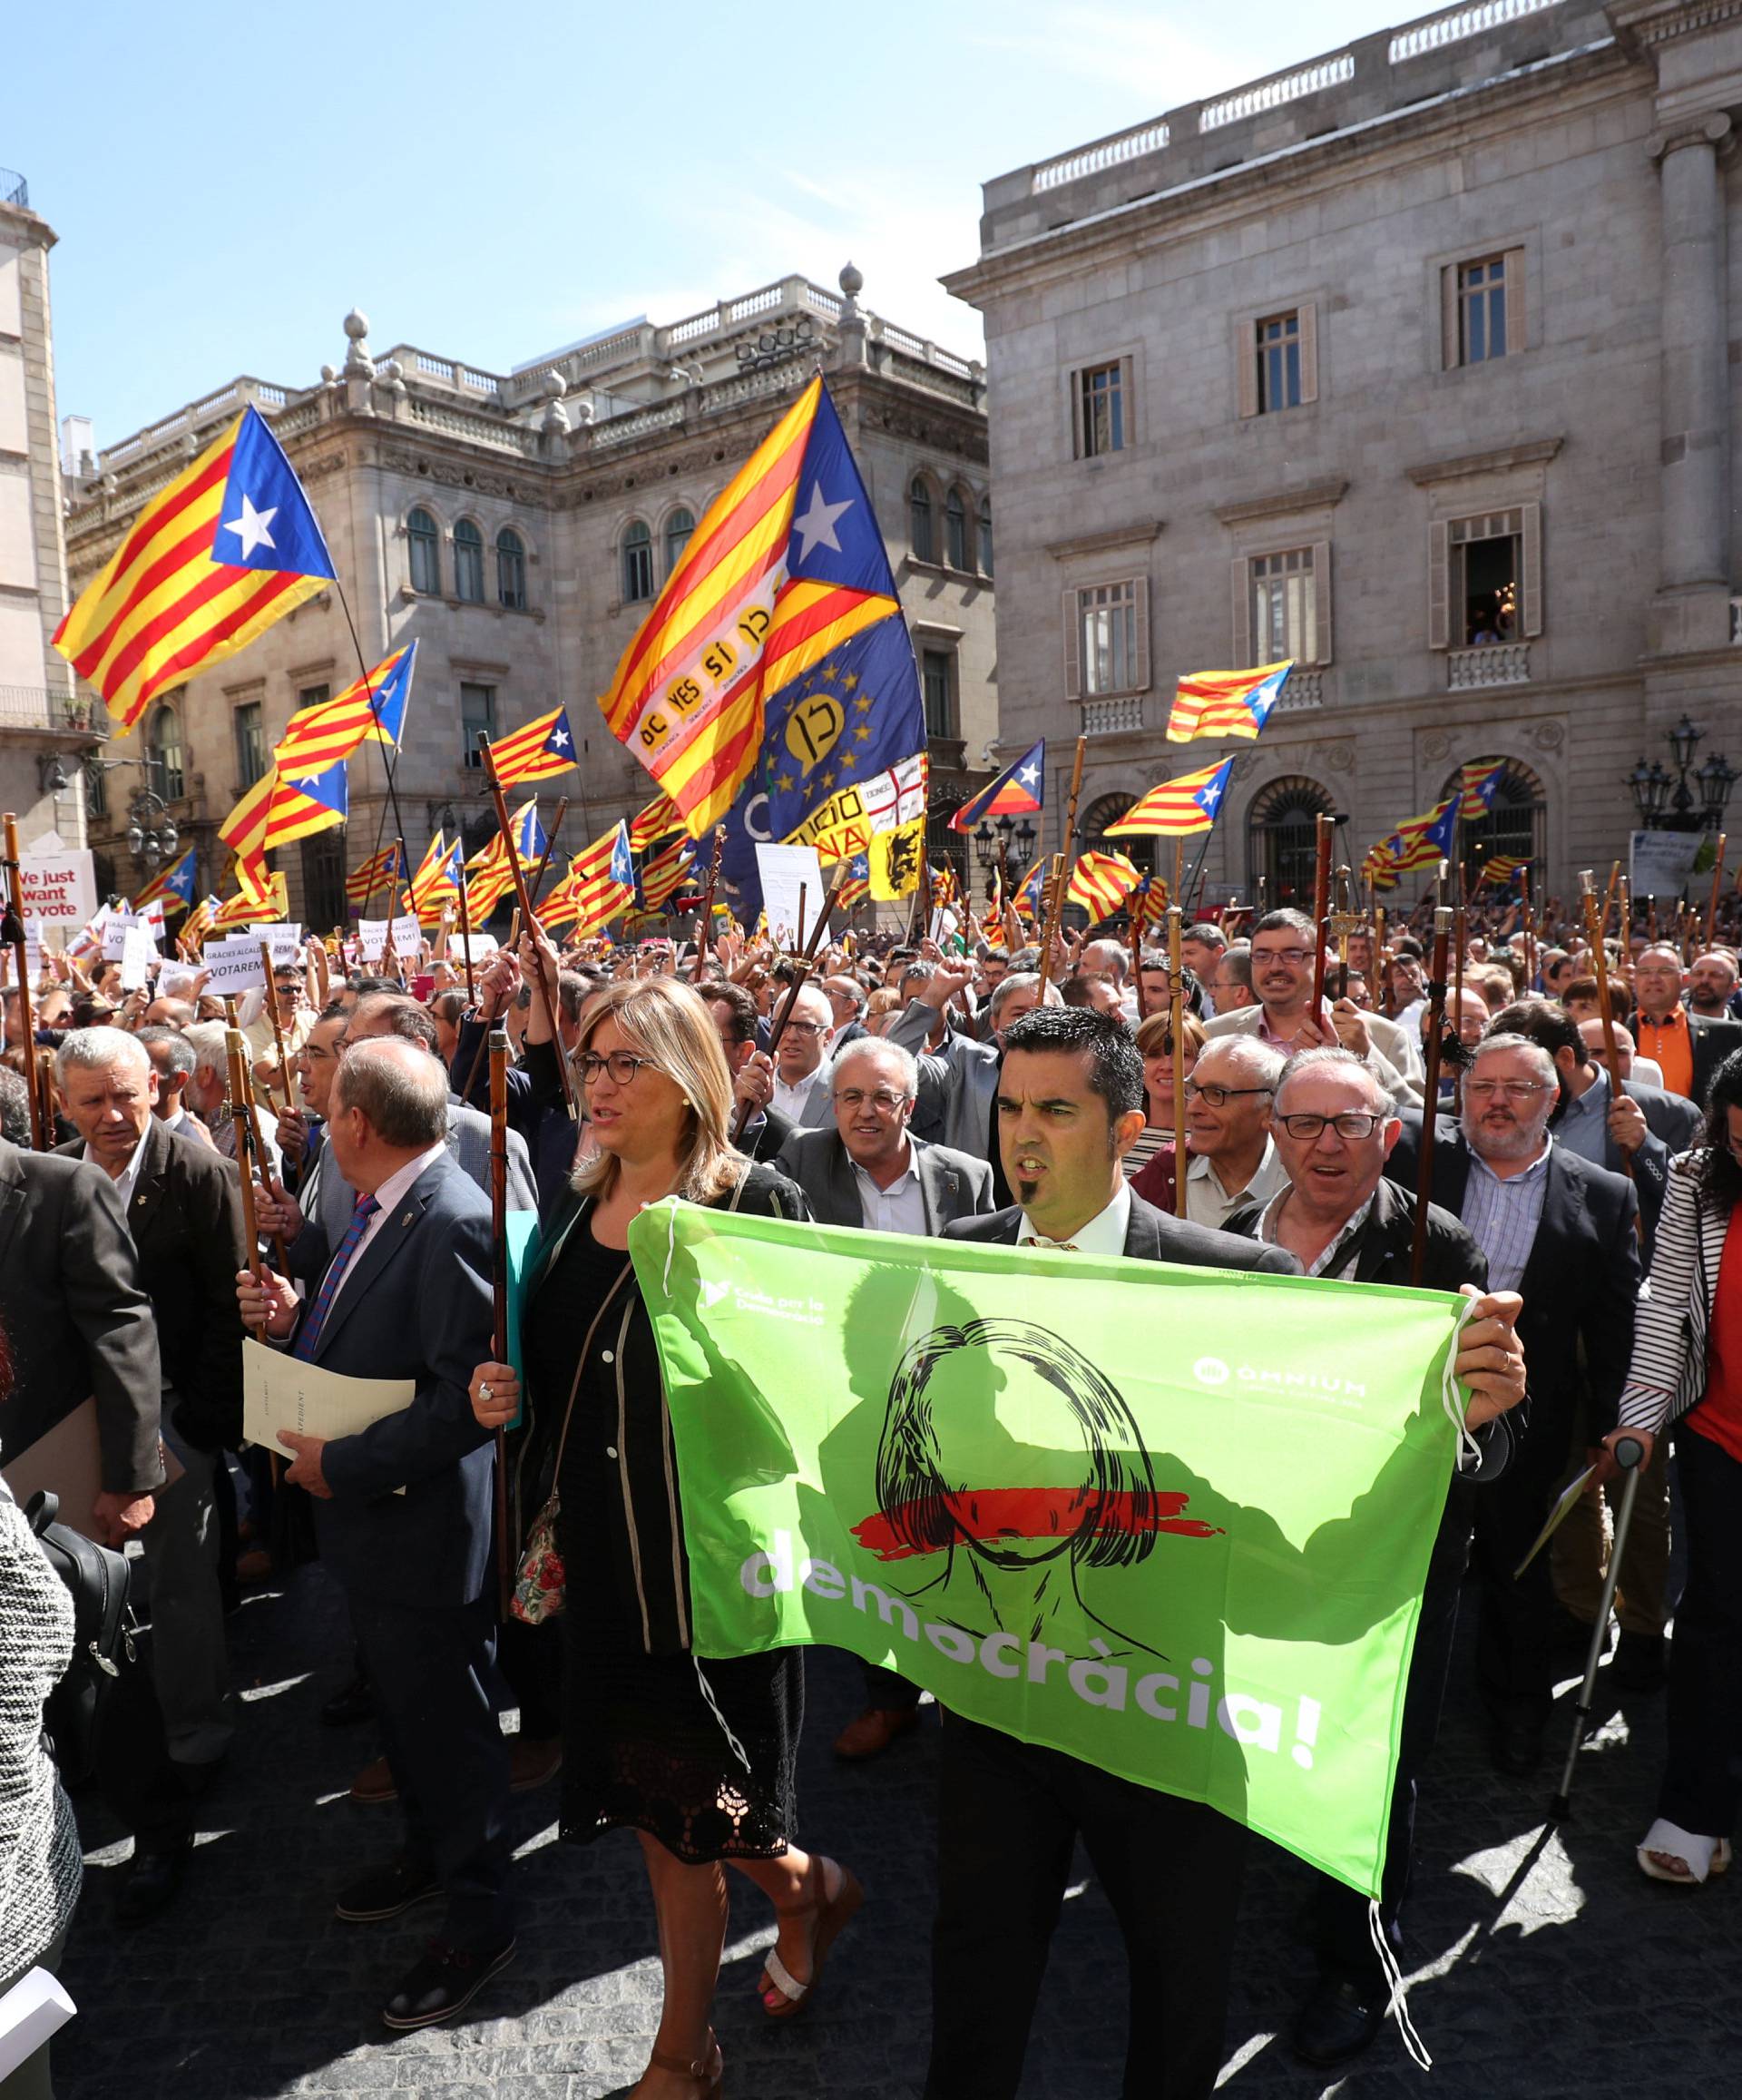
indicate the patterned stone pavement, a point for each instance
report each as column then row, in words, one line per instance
column 1545, row 1965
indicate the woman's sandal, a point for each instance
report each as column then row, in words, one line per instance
column 833, row 1915
column 709, row 2072
column 1701, row 1858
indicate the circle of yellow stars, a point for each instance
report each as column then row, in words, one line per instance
column 841, row 762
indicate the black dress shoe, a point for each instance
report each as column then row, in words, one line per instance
column 352, row 1702
column 1516, row 1747
column 1338, row 2022
column 444, row 1982
column 385, row 1892
column 149, row 1883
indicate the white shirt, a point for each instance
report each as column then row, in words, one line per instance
column 1103, row 1234
column 900, row 1208
column 1207, row 1202
column 129, row 1175
column 792, row 1101
column 388, row 1195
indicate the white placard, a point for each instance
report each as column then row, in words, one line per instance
column 372, row 938
column 1661, row 864
column 234, row 964
column 285, row 940
column 33, row 2009
column 786, row 872
column 176, row 981
column 34, row 950
column 137, row 956
column 484, row 945
column 114, row 935
column 59, row 885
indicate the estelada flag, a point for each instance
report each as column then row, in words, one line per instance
column 372, row 708
column 1226, row 703
column 1018, row 791
column 270, row 901
column 543, row 748
column 665, row 873
column 380, row 871
column 658, row 820
column 601, row 881
column 173, row 888
column 230, row 546
column 1177, row 808
column 300, row 807
column 438, row 880
column 785, row 567
column 1478, row 784
column 1101, row 882
column 1419, row 841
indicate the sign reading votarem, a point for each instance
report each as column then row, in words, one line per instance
column 1172, row 1521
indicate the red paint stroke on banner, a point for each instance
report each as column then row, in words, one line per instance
column 995, row 1513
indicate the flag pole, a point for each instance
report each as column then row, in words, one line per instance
column 1321, row 910
column 499, row 1287
column 272, row 1009
column 705, row 923
column 1431, row 1094
column 12, row 930
column 1718, row 884
column 1177, row 1026
column 545, row 989
column 1060, row 871
column 465, row 936
column 1605, row 1005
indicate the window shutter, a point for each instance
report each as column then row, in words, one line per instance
column 1308, row 325
column 1245, row 361
column 1449, row 359
column 1242, row 612
column 1439, row 562
column 1322, row 597
column 1141, row 682
column 1073, row 390
column 1128, row 400
column 1073, row 647
column 1530, row 562
column 1518, row 328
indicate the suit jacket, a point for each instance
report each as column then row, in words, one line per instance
column 952, row 1185
column 767, row 1135
column 76, row 1317
column 957, row 1084
column 1580, row 1288
column 1396, row 1060
column 415, row 1304
column 1713, row 1040
column 185, row 1217
column 1150, row 1236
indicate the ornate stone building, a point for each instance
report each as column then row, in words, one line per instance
column 43, row 725
column 518, row 524
column 1416, row 363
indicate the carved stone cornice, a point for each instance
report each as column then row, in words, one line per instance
column 1136, row 534
column 1285, row 502
column 1502, row 459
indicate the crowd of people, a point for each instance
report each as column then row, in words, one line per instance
column 1582, row 1188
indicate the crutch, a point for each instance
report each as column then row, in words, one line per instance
column 1629, row 1452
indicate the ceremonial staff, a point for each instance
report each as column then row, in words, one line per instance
column 272, row 1008
column 545, row 990
column 1605, row 1009
column 499, row 1290
column 1530, row 928
column 236, row 1053
column 807, row 955
column 1177, row 1025
column 705, row 922
column 1136, row 909
column 12, row 932
column 1061, row 879
column 1460, row 941
column 465, row 936
column 1431, row 1093
column 1717, row 883
column 1321, row 910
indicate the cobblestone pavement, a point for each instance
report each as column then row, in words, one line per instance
column 1546, row 1965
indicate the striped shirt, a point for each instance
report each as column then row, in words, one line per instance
column 1501, row 1216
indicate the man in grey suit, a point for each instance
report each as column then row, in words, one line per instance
column 868, row 1170
column 402, row 1509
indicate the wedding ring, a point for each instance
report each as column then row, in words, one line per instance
column 485, row 1393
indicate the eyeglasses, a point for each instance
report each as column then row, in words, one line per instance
column 1352, row 1124
column 1219, row 1096
column 885, row 1100
column 1514, row 1089
column 1294, row 957
column 806, row 1028
column 621, row 1066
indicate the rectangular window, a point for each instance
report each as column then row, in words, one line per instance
column 250, row 742
column 96, row 790
column 1279, row 363
column 1485, row 579
column 1110, row 650
column 937, row 679
column 1101, row 409
column 1278, row 359
column 1482, row 311
column 478, row 711
column 1285, row 608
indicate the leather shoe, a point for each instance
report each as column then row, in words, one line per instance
column 352, row 1702
column 149, row 1883
column 1638, row 1664
column 1338, row 2021
column 1516, row 1747
column 443, row 1983
column 385, row 1891
column 532, row 1765
column 374, row 1785
column 873, row 1732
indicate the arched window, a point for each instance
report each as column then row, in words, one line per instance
column 1512, row 824
column 921, row 529
column 638, row 564
column 468, row 563
column 1281, row 841
column 985, row 536
column 678, row 529
column 511, row 569
column 1107, row 809
column 425, row 553
column 955, row 530
column 163, row 749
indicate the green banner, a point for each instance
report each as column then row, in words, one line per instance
column 1173, row 1521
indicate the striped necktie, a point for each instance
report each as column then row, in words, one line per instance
column 366, row 1209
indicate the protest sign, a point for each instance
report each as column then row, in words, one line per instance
column 792, row 890
column 59, row 886
column 234, row 964
column 284, row 940
column 372, row 938
column 139, row 952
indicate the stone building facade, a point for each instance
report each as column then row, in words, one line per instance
column 1417, row 363
column 518, row 526
column 43, row 725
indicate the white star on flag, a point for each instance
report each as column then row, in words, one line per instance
column 1208, row 798
column 559, row 738
column 250, row 529
column 817, row 527
column 1029, row 775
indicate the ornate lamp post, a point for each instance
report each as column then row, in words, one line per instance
column 1664, row 800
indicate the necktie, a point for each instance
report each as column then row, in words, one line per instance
column 366, row 1209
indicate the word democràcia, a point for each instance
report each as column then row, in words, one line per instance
column 1096, row 1681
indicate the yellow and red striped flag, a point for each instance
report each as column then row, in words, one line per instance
column 201, row 920
column 1502, row 867
column 490, row 874
column 270, row 901
column 786, row 566
column 601, row 881
column 210, row 563
column 1176, row 808
column 542, row 748
column 244, row 830
column 1478, row 784
column 1101, row 882
column 1226, row 703
column 667, row 872
column 300, row 807
column 380, row 871
column 436, row 881
column 661, row 818
column 372, row 708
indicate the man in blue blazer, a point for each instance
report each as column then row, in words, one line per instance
column 402, row 1509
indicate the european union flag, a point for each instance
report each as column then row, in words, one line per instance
column 851, row 717
column 264, row 521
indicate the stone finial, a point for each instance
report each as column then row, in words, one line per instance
column 359, row 364
column 555, row 422
column 329, row 375
column 852, row 283
column 584, row 413
column 391, row 376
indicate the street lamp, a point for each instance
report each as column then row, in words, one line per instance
column 1664, row 800
column 1716, row 777
column 1010, row 845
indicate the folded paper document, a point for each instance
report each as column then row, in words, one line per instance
column 282, row 1392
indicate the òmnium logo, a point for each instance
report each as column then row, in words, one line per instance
column 1209, row 1371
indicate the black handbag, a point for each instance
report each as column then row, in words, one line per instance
column 97, row 1578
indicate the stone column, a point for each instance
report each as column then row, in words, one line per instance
column 1695, row 471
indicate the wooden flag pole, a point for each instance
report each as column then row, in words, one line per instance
column 802, row 970
column 1717, row 883
column 1177, row 1025
column 546, row 991
column 1431, row 1093
column 705, row 922
column 272, row 1009
column 236, row 1053
column 499, row 1291
column 1321, row 910
column 465, row 936
column 1062, row 863
column 13, row 930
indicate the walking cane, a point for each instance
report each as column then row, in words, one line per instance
column 498, row 1040
column 1629, row 1452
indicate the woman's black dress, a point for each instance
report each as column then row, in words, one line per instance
column 648, row 1729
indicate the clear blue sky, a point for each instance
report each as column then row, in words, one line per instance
column 491, row 180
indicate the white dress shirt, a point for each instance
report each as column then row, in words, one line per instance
column 793, row 1101
column 900, row 1208
column 129, row 1175
column 1207, row 1202
column 1103, row 1234
column 391, row 1192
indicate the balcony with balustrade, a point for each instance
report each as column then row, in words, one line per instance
column 1487, row 665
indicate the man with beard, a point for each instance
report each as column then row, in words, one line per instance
column 1711, row 987
column 1688, row 1043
